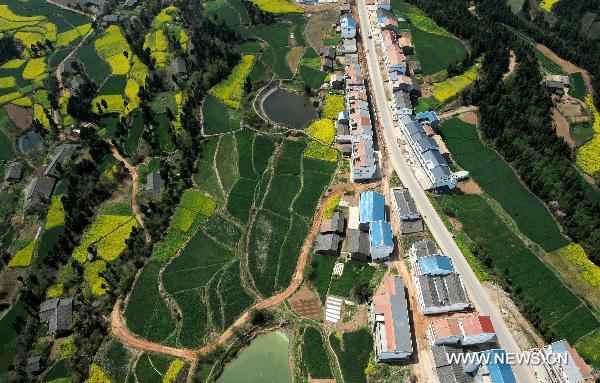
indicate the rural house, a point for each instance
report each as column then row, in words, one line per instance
column 337, row 81
column 178, row 68
column 381, row 240
column 428, row 117
column 130, row 3
column 348, row 25
column 363, row 162
column 405, row 42
column 445, row 331
column 39, row 190
column 392, row 335
column 423, row 248
column 408, row 216
column 441, row 294
column 13, row 172
column 401, row 103
column 335, row 225
column 61, row 155
column 326, row 64
column 574, row 370
column 357, row 244
column 477, row 329
column 349, row 47
column 110, row 20
column 371, row 208
column 446, row 371
column 34, row 365
column 154, row 184
column 328, row 244
column 496, row 369
column 328, row 53
column 383, row 4
column 415, row 67
column 57, row 313
column 345, row 8
column 434, row 265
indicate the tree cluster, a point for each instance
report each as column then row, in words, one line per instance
column 8, row 49
column 257, row 15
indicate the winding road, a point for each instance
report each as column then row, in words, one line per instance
column 476, row 292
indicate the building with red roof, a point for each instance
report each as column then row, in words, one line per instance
column 477, row 329
column 445, row 331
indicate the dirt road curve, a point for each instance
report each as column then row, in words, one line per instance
column 135, row 184
column 121, row 331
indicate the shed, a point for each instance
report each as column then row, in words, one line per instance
column 328, row 244
column 445, row 331
column 357, row 244
column 423, row 248
column 13, row 172
column 334, row 225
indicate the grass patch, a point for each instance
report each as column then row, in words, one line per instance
column 353, row 350
column 355, row 272
column 315, row 359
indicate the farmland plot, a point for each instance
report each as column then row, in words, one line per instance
column 353, row 350
column 315, row 359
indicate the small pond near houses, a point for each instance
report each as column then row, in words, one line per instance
column 289, row 109
column 265, row 360
column 29, row 141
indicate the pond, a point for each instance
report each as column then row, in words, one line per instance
column 29, row 141
column 266, row 359
column 290, row 109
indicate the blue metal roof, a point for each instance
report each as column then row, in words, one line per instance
column 348, row 22
column 428, row 115
column 380, row 233
column 500, row 371
column 343, row 115
column 435, row 264
column 371, row 207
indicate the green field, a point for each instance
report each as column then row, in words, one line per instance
column 94, row 66
column 6, row 148
column 499, row 180
column 315, row 359
column 217, row 117
column 578, row 88
column 355, row 272
column 8, row 336
column 565, row 315
column 353, row 351
column 135, row 133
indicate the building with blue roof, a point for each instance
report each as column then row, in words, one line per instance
column 434, row 265
column 429, row 117
column 491, row 366
column 371, row 208
column 381, row 240
column 348, row 25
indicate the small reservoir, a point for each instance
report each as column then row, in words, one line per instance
column 289, row 109
column 266, row 359
column 29, row 141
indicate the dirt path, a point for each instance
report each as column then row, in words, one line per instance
column 121, row 331
column 561, row 125
column 567, row 66
column 135, row 184
column 457, row 111
column 512, row 63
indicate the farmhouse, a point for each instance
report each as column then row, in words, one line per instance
column 446, row 371
column 334, row 225
column 349, row 47
column 477, row 329
column 371, row 208
column 408, row 216
column 337, row 81
column 348, row 25
column 445, row 331
column 428, row 117
column 154, row 184
column 434, row 265
column 423, row 248
column 363, row 164
column 441, row 294
column 110, row 20
column 328, row 53
column 13, row 172
column 381, row 240
column 573, row 370
column 328, row 244
column 401, row 103
column 178, row 68
column 357, row 244
column 392, row 335
column 61, row 155
column 57, row 313
column 342, row 133
column 39, row 190
column 395, row 60
column 326, row 64
column 34, row 365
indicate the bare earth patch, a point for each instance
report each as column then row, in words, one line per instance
column 470, row 187
column 468, row 117
column 21, row 116
column 305, row 302
column 456, row 225
column 562, row 127
column 512, row 62
column 293, row 57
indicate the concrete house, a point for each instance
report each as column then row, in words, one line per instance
column 496, row 370
column 335, row 225
column 383, row 4
column 392, row 334
column 344, row 117
column 423, row 248
column 445, row 331
column 441, row 294
column 390, row 24
column 342, row 133
column 381, row 240
column 395, row 60
column 110, row 20
column 406, row 210
column 57, row 313
column 154, row 184
column 446, row 371
column 348, row 25
column 428, row 117
column 434, row 265
column 477, row 329
column 382, row 14
column 354, row 75
column 401, row 104
column 371, row 208
column 326, row 64
column 349, row 47
column 388, row 38
column 405, row 42
column 337, row 81
column 401, row 83
column 328, row 244
column 357, row 244
column 345, row 8
column 13, row 172
column 363, row 161
column 328, row 53
column 573, row 370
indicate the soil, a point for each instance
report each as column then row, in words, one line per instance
column 562, row 127
column 571, row 107
column 567, row 66
column 469, row 187
column 22, row 117
column 456, row 224
column 468, row 117
column 359, row 320
column 305, row 302
column 512, row 62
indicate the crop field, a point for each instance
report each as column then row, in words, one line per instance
column 94, row 66
column 6, row 148
column 353, row 350
column 108, row 232
column 417, row 18
column 498, row 179
column 454, row 85
column 559, row 308
column 153, row 368
column 230, row 90
column 113, row 358
column 322, row 130
column 217, row 117
column 315, row 359
column 334, row 104
column 22, row 258
column 274, row 58
column 547, row 5
column 313, row 187
column 588, row 156
column 355, row 272
column 135, row 132
column 163, row 132
column 578, row 88
column 235, row 299
column 321, row 152
column 223, row 230
column 311, row 76
column 226, row 160
column 111, row 46
column 277, row 6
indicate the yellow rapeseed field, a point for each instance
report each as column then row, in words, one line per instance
column 321, row 152
column 114, row 102
column 277, row 6
column 139, row 71
column 56, row 213
column 101, row 230
column 55, row 291
column 9, row 97
column 119, row 63
column 454, row 85
column 7, row 82
column 230, row 90
column 12, row 64
column 588, row 156
column 22, row 258
column 173, row 372
column 40, row 115
column 34, row 68
column 334, row 104
column 22, row 101
column 131, row 91
column 576, row 256
column 322, row 130
column 547, row 5
column 97, row 375
column 111, row 43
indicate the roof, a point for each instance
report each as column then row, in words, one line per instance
column 477, row 324
column 40, row 188
column 327, row 243
column 435, row 264
column 424, row 248
column 57, row 312
column 110, row 18
column 334, row 225
column 34, row 364
column 154, row 183
column 350, row 45
column 357, row 242
column 446, row 372
column 405, row 203
column 383, row 13
column 411, row 125
column 499, row 370
column 13, row 171
column 380, row 234
column 575, row 369
column 428, row 115
column 347, row 21
column 61, row 154
column 328, row 52
column 442, row 291
column 390, row 301
column 372, row 207
column 444, row 328
column 130, row 3
column 362, row 152
column 178, row 66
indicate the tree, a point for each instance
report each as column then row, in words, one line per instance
column 361, row 292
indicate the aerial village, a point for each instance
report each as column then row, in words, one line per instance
column 384, row 227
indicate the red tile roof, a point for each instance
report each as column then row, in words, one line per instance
column 395, row 55
column 383, row 305
column 443, row 328
column 477, row 325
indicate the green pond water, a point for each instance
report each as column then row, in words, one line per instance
column 265, row 360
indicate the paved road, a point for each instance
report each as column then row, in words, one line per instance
column 445, row 241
